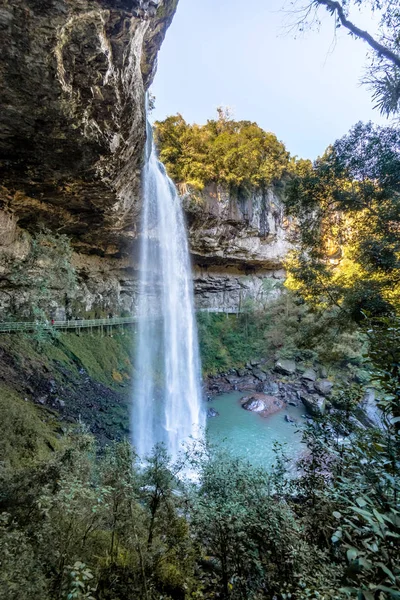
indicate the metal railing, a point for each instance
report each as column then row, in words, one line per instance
column 77, row 324
column 69, row 324
column 225, row 311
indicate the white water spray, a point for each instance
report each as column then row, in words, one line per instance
column 167, row 406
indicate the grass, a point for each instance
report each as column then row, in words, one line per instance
column 105, row 359
column 27, row 432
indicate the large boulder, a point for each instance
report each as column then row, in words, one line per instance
column 262, row 404
column 323, row 386
column 285, row 367
column 211, row 412
column 368, row 412
column 315, row 405
column 260, row 375
column 253, row 404
column 309, row 375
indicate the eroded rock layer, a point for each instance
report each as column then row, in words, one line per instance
column 238, row 246
column 72, row 126
column 73, row 76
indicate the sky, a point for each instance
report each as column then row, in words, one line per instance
column 239, row 53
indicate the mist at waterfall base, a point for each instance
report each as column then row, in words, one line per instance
column 167, row 399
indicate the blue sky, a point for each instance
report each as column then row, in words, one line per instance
column 239, row 54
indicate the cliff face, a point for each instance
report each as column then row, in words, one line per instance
column 238, row 246
column 73, row 74
column 72, row 123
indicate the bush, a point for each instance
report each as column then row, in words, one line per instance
column 284, row 328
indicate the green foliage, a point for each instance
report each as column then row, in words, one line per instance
column 103, row 358
column 77, row 586
column 235, row 154
column 26, row 431
column 94, row 528
column 20, row 573
column 384, row 336
column 285, row 328
column 79, row 524
column 236, row 521
column 347, row 207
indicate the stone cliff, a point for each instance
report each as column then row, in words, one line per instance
column 73, row 75
column 238, row 245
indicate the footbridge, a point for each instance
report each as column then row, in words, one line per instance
column 88, row 324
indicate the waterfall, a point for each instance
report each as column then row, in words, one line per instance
column 167, row 404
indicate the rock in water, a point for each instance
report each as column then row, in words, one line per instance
column 286, row 367
column 262, row 404
column 211, row 412
column 290, row 419
column 254, row 405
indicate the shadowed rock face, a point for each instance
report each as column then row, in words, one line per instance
column 72, row 131
column 229, row 230
column 73, row 75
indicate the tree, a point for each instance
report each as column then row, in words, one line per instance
column 347, row 207
column 236, row 154
column 384, row 70
column 253, row 539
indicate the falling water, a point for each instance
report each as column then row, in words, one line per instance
column 167, row 393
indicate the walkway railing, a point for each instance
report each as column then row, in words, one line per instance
column 78, row 324
column 69, row 324
column 225, row 311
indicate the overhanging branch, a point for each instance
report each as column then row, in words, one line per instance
column 335, row 7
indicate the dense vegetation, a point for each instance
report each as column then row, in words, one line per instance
column 76, row 524
column 236, row 154
column 347, row 210
column 284, row 328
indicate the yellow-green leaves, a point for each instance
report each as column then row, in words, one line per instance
column 236, row 154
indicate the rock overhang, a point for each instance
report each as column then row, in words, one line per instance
column 72, row 120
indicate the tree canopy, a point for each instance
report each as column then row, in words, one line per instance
column 347, row 207
column 236, row 154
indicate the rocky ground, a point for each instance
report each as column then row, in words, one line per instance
column 65, row 378
column 286, row 383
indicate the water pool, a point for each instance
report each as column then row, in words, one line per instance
column 247, row 435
